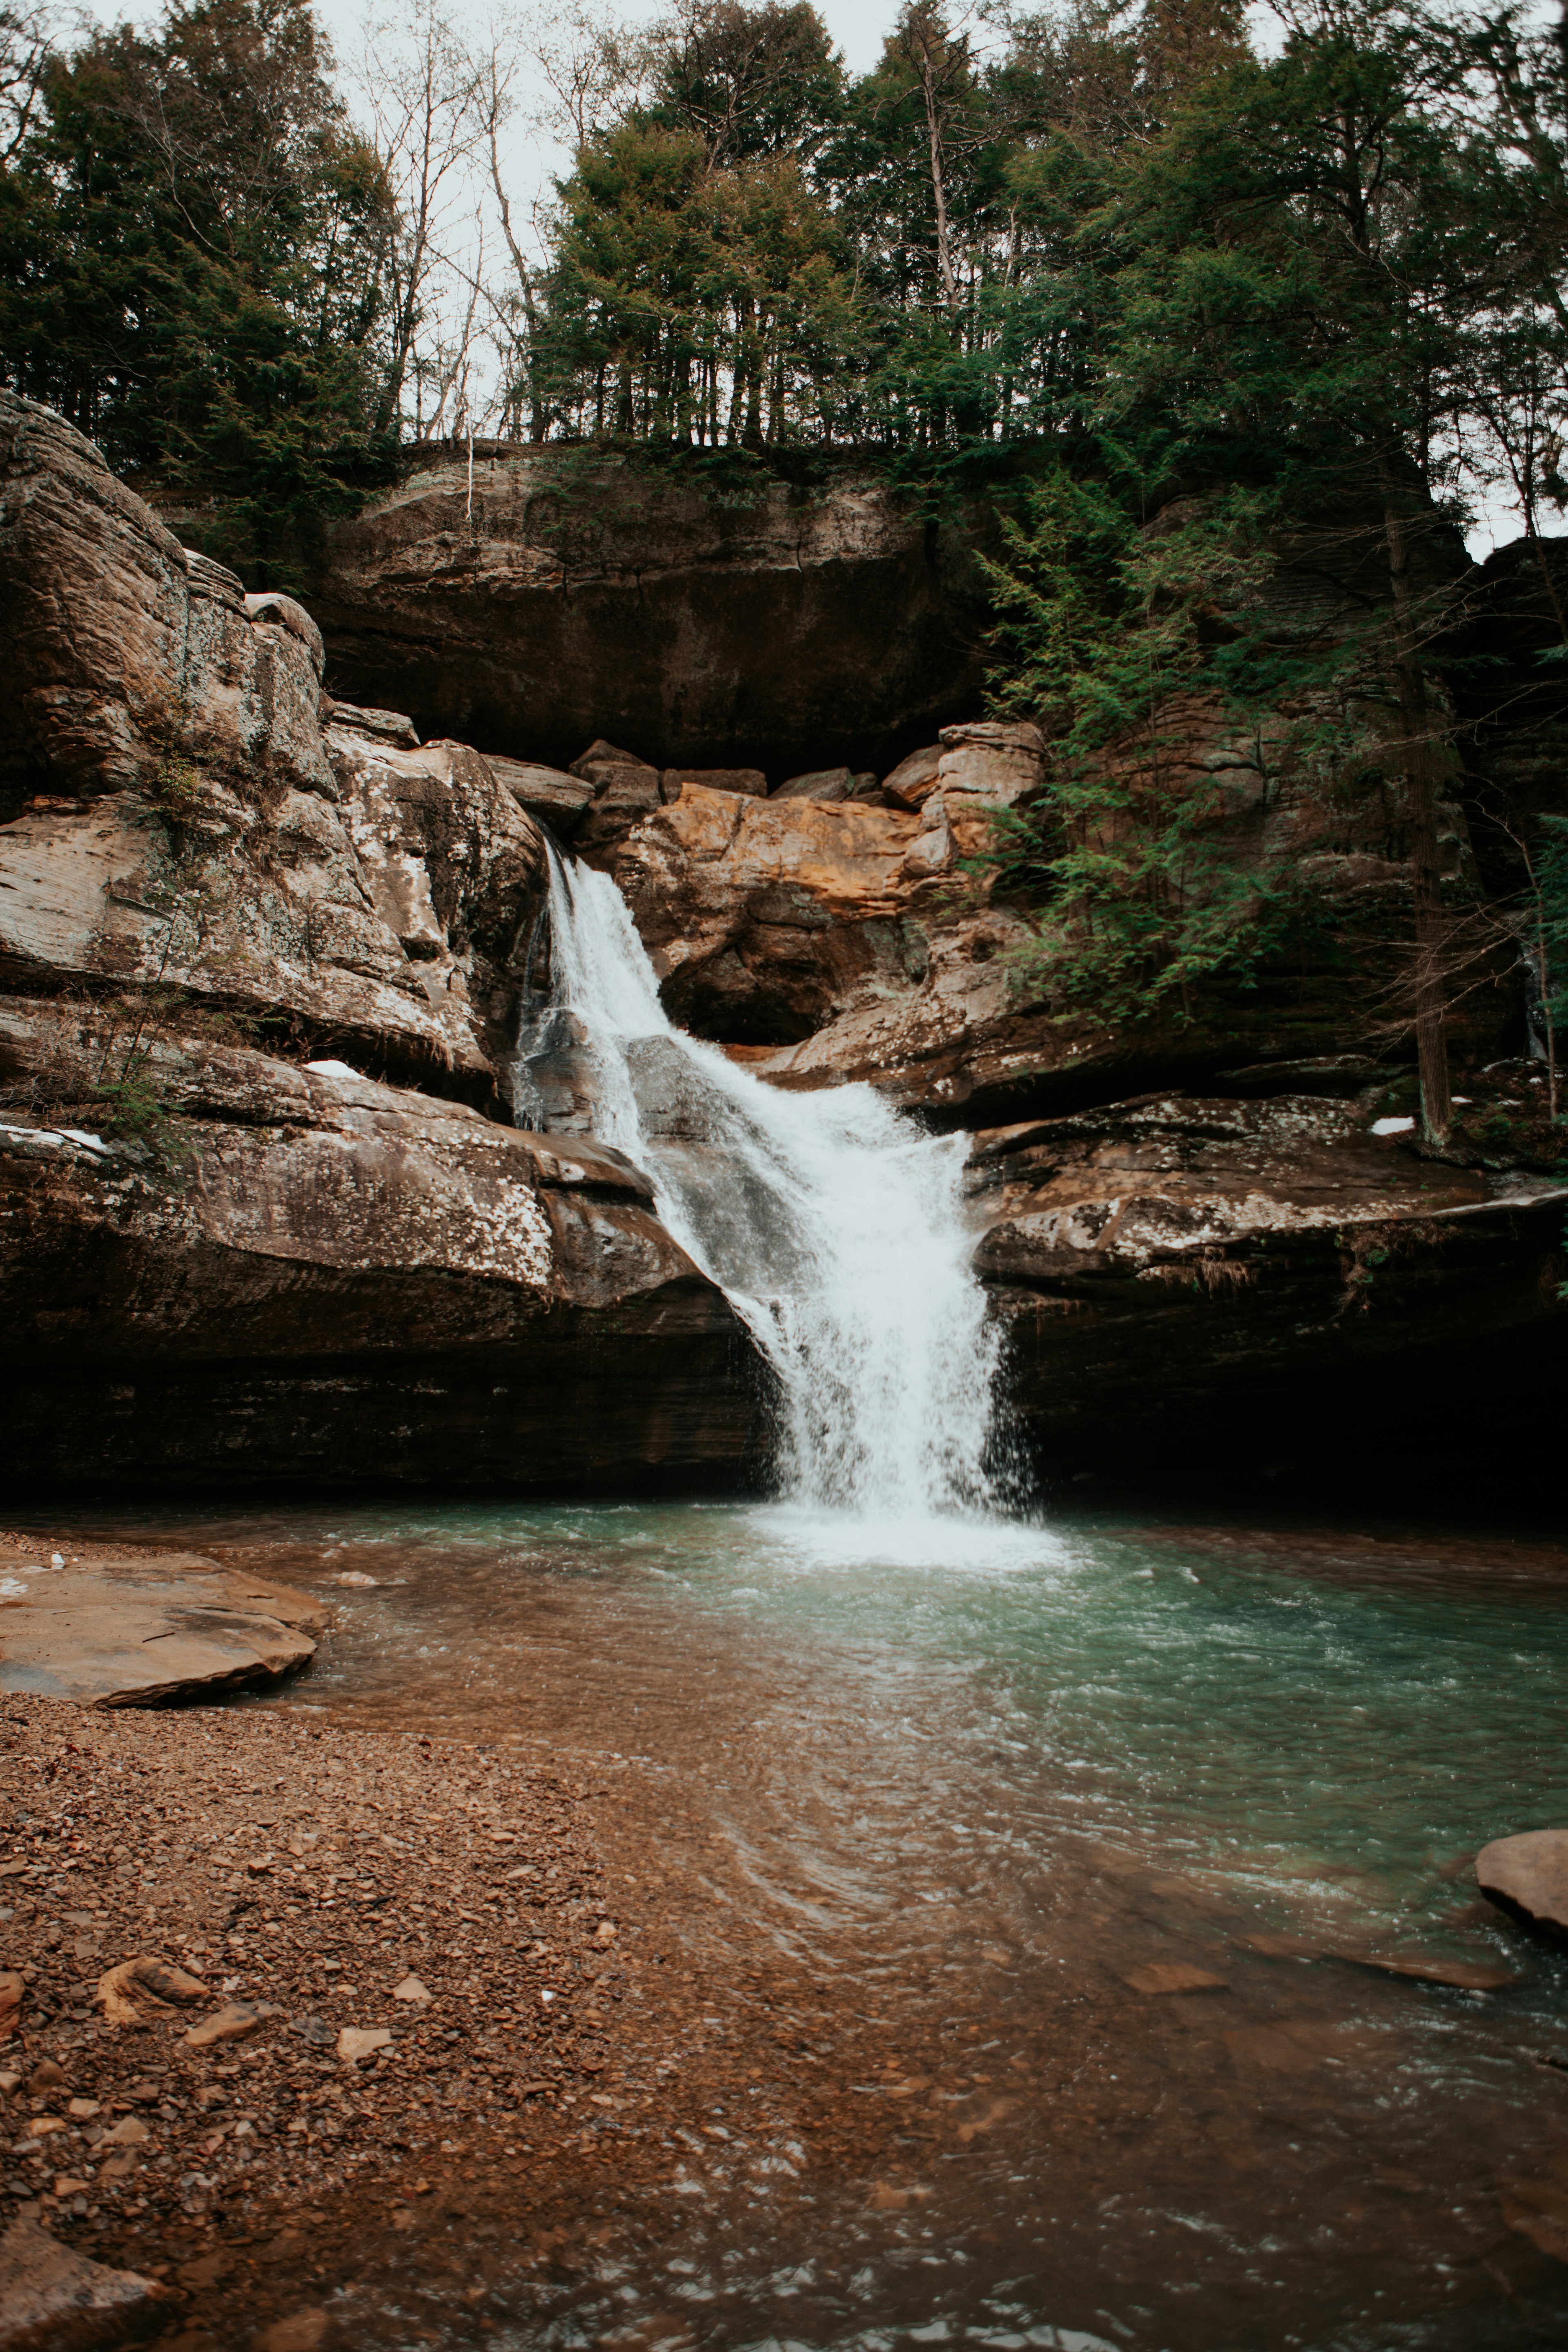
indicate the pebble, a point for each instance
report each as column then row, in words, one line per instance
column 215, row 1994
column 356, row 2042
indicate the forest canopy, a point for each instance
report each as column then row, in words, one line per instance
column 1019, row 231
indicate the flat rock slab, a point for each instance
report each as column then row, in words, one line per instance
column 1528, row 1876
column 137, row 1631
column 52, row 2300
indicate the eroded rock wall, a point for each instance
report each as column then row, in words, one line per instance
column 561, row 595
column 317, row 1275
column 223, row 1261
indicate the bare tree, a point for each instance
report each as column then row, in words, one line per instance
column 588, row 70
column 26, row 48
column 418, row 84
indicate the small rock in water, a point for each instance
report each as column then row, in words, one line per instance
column 1173, row 1976
column 1528, row 1876
column 355, row 1576
column 50, row 2295
column 301, row 2333
column 1465, row 1976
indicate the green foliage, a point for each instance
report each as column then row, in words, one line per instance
column 1172, row 707
column 140, row 1113
column 191, row 246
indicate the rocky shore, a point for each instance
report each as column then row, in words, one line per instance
column 280, row 2002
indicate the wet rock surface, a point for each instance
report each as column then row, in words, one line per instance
column 54, row 2300
column 1528, row 1876
column 135, row 1632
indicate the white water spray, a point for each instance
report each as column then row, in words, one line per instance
column 833, row 1227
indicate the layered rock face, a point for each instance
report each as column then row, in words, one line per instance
column 218, row 1263
column 319, row 1277
column 183, row 819
column 556, row 596
column 848, row 940
column 1168, row 1266
column 265, row 959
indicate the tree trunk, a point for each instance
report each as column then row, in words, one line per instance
column 939, row 186
column 1420, row 784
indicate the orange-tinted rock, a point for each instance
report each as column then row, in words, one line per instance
column 749, row 780
column 1528, row 1876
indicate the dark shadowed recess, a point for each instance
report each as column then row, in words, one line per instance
column 1466, row 1433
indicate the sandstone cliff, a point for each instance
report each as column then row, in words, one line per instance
column 216, row 1261
column 265, row 959
column 558, row 595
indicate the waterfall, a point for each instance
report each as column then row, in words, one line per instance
column 832, row 1224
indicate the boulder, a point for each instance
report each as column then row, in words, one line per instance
column 140, row 1631
column 766, row 918
column 991, row 763
column 270, row 605
column 818, row 784
column 553, row 593
column 382, row 726
column 549, row 795
column 1528, row 1878
column 913, row 780
column 317, row 1274
column 749, row 780
column 625, row 788
column 53, row 2299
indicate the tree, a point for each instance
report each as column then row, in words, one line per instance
column 27, row 36
column 1308, row 270
column 422, row 92
column 1173, row 705
column 191, row 247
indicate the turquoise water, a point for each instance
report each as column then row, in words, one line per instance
column 967, row 1770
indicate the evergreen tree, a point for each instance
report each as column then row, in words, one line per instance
column 191, row 247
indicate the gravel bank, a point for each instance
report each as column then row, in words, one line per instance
column 449, row 1899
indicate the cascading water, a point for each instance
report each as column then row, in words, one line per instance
column 832, row 1225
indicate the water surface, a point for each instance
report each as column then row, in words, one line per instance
column 974, row 1777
